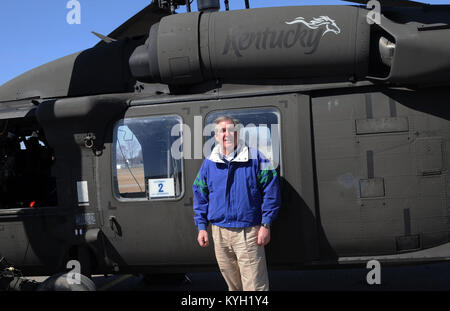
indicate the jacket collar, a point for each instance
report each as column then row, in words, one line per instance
column 241, row 156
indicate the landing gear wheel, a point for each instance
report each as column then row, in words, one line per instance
column 62, row 282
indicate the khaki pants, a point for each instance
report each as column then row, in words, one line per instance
column 241, row 260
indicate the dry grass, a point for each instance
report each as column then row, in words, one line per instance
column 126, row 181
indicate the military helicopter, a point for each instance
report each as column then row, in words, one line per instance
column 354, row 114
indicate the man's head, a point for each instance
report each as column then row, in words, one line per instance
column 227, row 133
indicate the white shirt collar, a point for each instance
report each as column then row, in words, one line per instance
column 240, row 154
column 231, row 155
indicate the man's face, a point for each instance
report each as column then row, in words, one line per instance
column 227, row 135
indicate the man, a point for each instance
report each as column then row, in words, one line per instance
column 237, row 191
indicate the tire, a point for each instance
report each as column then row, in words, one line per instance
column 59, row 282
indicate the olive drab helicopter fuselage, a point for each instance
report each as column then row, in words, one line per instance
column 353, row 113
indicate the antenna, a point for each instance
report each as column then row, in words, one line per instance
column 188, row 5
column 227, row 6
column 172, row 4
column 208, row 5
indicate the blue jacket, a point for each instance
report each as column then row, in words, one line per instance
column 241, row 193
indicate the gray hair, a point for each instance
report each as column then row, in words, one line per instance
column 219, row 119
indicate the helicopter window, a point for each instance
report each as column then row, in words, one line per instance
column 260, row 129
column 144, row 167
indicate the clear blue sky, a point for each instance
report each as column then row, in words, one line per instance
column 33, row 33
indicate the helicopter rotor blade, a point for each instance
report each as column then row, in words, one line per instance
column 104, row 38
column 139, row 24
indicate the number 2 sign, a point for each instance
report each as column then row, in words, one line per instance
column 161, row 188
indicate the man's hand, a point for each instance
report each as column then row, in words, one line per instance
column 202, row 238
column 263, row 236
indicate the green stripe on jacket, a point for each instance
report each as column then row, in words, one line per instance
column 201, row 184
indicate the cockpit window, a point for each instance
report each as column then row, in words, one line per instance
column 144, row 167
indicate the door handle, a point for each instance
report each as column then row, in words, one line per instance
column 115, row 226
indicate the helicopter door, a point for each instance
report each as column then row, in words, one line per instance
column 27, row 190
column 145, row 197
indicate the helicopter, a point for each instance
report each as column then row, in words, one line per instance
column 349, row 107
